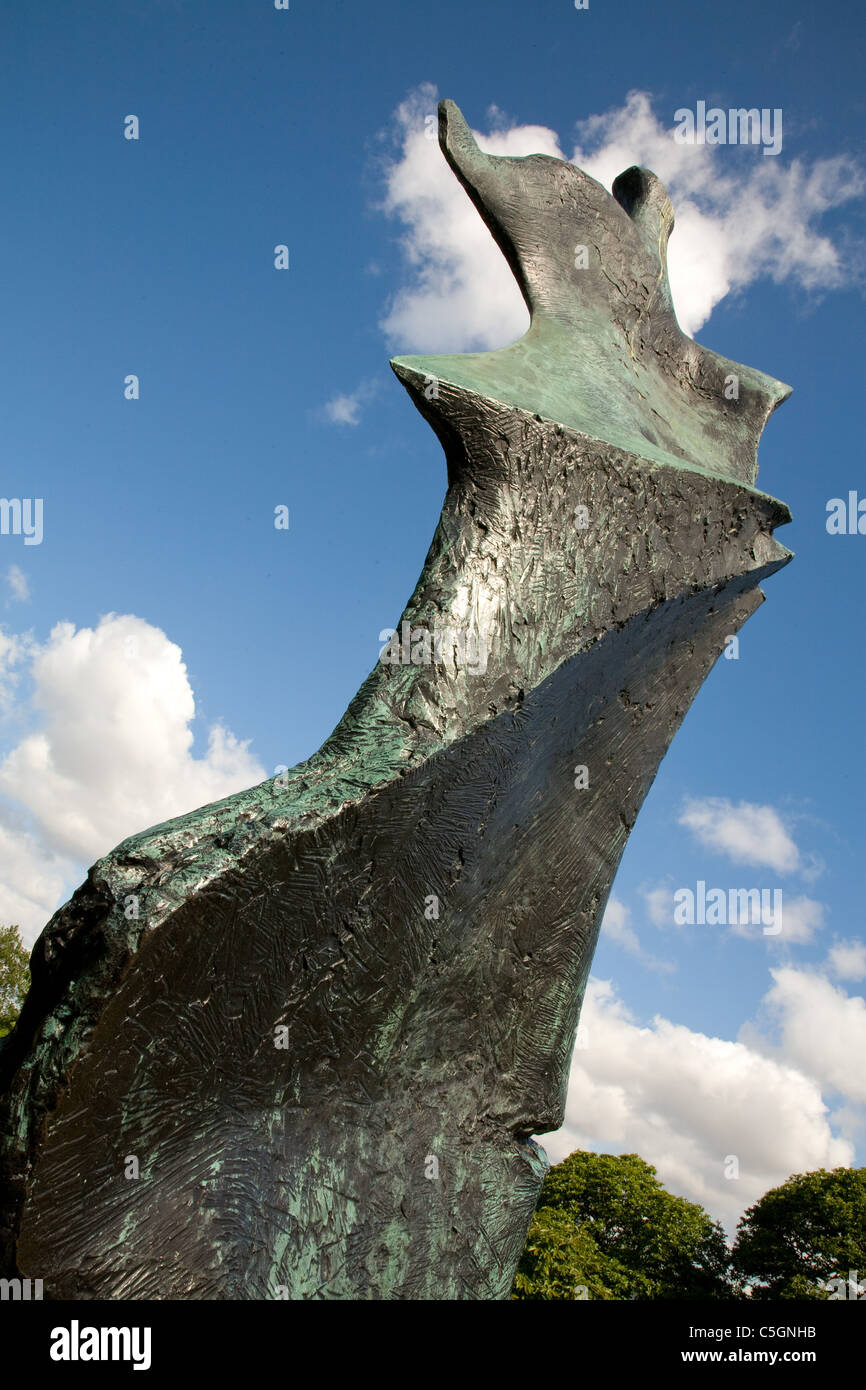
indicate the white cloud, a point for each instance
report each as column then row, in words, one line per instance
column 800, row 918
column 746, row 833
column 686, row 1101
column 849, row 1122
column 348, row 407
column 109, row 753
column 660, row 905
column 820, row 1029
column 847, row 960
column 14, row 650
column 344, row 410
column 616, row 926
column 17, row 581
column 462, row 295
column 739, row 217
column 33, row 880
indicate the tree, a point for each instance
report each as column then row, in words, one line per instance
column 562, row 1261
column 605, row 1222
column 14, row 977
column 799, row 1236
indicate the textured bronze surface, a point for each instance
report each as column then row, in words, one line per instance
column 350, row 995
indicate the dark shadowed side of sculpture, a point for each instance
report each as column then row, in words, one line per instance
column 350, row 995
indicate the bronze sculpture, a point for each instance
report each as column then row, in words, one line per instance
column 325, row 1016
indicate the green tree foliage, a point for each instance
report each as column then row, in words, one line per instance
column 604, row 1223
column 14, row 977
column 562, row 1261
column 810, row 1230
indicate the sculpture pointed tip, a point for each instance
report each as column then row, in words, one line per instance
column 644, row 197
column 781, row 392
column 453, row 126
column 459, row 145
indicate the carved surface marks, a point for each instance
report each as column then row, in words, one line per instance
column 351, row 993
column 408, row 1037
column 392, row 1015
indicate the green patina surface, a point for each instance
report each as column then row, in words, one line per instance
column 604, row 354
column 449, row 1037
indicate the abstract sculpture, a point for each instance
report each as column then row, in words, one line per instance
column 325, row 1016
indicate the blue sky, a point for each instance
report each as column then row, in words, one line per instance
column 261, row 387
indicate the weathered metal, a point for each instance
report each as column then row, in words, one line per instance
column 349, row 996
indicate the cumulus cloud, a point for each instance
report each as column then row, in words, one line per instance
column 33, row 879
column 686, row 1102
column 461, row 296
column 818, row 1027
column 738, row 217
column 745, row 832
column 847, row 960
column 800, row 918
column 108, row 753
